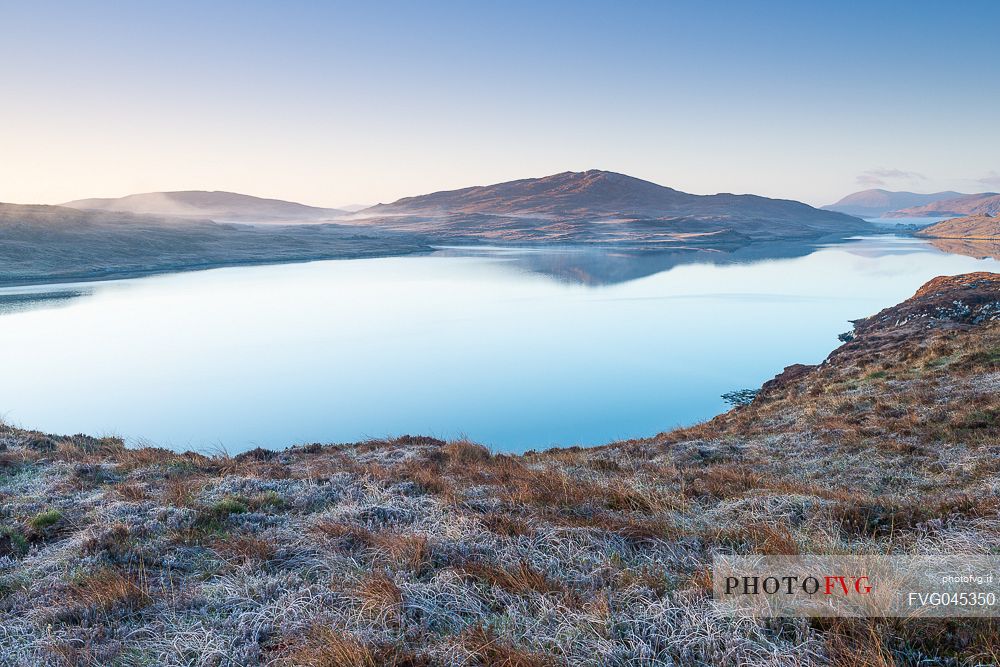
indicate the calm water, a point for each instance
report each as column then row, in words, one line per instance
column 515, row 349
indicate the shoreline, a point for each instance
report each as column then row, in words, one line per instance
column 127, row 274
column 427, row 248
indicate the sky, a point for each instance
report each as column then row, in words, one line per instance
column 335, row 103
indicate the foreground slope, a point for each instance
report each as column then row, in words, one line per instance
column 605, row 207
column 215, row 205
column 46, row 244
column 419, row 552
column 877, row 202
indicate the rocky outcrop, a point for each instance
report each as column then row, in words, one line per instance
column 947, row 304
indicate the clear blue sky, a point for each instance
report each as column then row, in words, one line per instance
column 335, row 103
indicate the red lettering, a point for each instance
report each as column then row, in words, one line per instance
column 830, row 584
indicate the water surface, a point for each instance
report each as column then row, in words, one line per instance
column 517, row 349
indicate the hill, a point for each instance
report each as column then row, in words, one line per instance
column 415, row 551
column 605, row 207
column 217, row 206
column 985, row 203
column 45, row 244
column 970, row 227
column 877, row 202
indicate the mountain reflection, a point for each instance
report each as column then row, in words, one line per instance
column 18, row 302
column 600, row 266
column 980, row 249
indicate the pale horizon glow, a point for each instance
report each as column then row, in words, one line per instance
column 334, row 103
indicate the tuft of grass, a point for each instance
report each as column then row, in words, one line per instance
column 489, row 649
column 519, row 579
column 45, row 520
column 324, row 646
column 131, row 491
column 243, row 549
column 465, row 452
column 12, row 541
column 380, row 598
column 107, row 590
column 115, row 542
column 182, row 492
column 506, row 525
column 228, row 505
column 265, row 500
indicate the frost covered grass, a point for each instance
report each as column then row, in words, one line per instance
column 337, row 556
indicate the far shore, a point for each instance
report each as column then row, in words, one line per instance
column 381, row 251
column 125, row 274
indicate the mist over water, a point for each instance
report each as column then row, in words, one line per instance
column 518, row 349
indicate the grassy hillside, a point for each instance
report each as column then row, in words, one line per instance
column 984, row 203
column 606, row 207
column 418, row 552
column 981, row 227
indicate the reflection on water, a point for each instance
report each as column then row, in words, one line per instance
column 597, row 266
column 18, row 301
column 517, row 349
column 980, row 249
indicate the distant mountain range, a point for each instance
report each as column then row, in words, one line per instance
column 214, row 205
column 169, row 231
column 602, row 206
column 985, row 203
column 876, row 203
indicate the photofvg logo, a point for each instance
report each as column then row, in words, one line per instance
column 858, row 586
column 829, row 584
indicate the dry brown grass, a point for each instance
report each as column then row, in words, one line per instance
column 412, row 552
column 519, row 579
column 400, row 550
column 857, row 644
column 327, row 647
column 506, row 525
column 109, row 589
column 724, row 481
column 464, row 452
column 769, row 539
column 428, row 479
column 182, row 491
column 145, row 457
column 489, row 650
column 131, row 491
column 242, row 549
column 380, row 597
column 553, row 487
